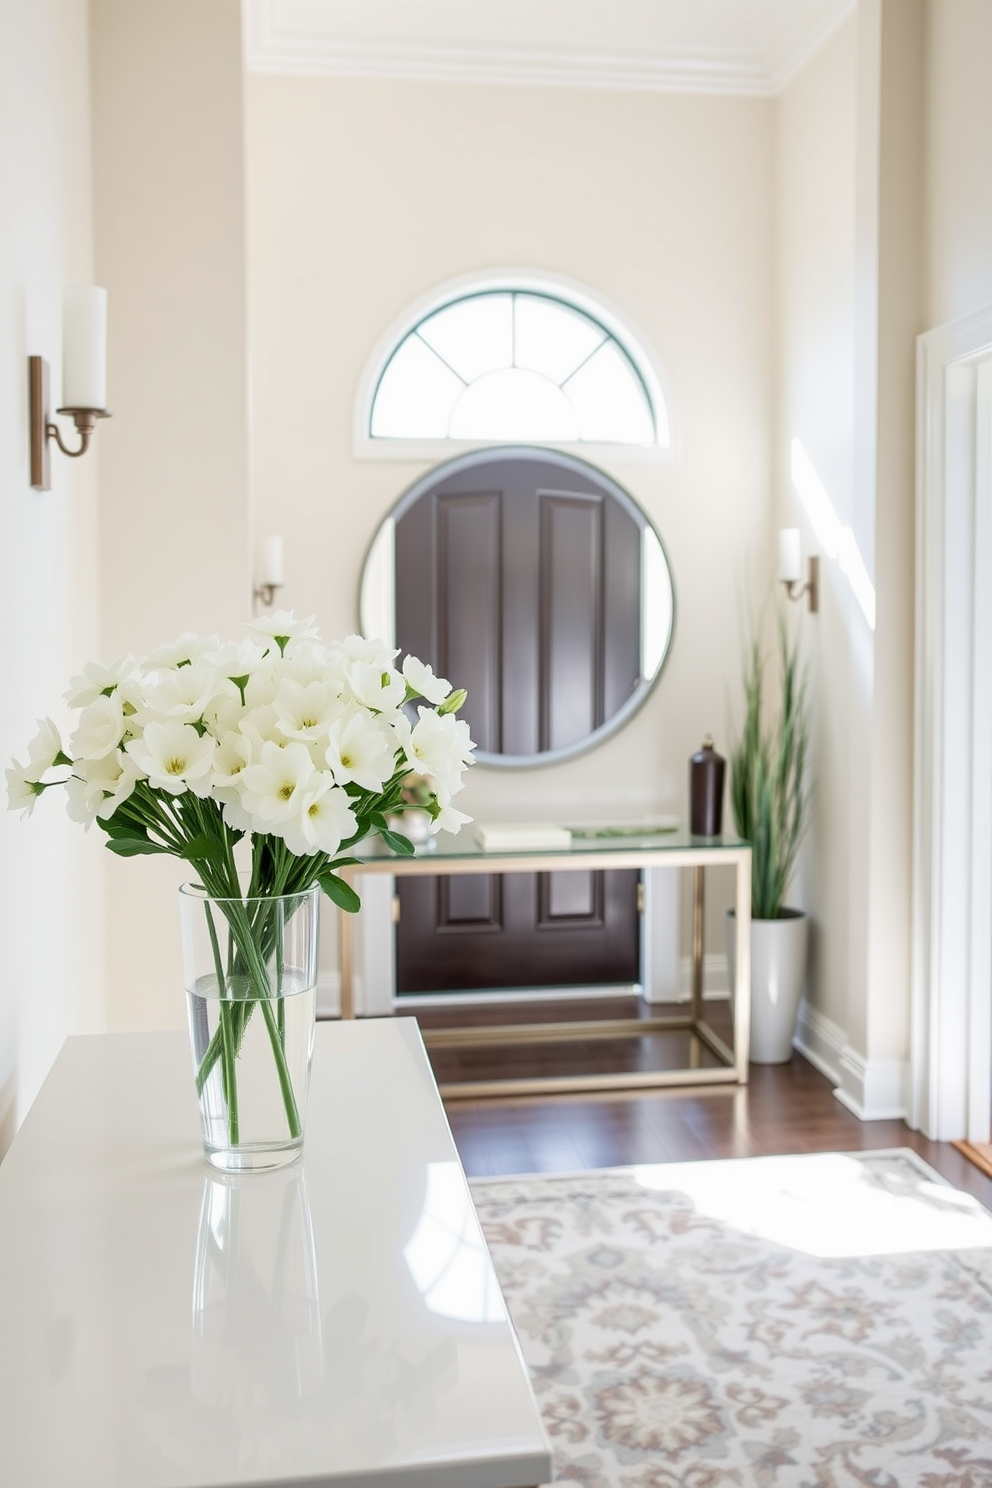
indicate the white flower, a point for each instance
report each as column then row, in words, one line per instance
column 225, row 716
column 263, row 684
column 305, row 650
column 283, row 625
column 188, row 648
column 232, row 756
column 421, row 679
column 323, row 819
column 236, row 816
column 308, row 712
column 100, row 728
column 132, row 693
column 360, row 752
column 237, row 658
column 94, row 679
column 271, row 791
column 22, row 792
column 97, row 787
column 43, row 751
column 439, row 745
column 174, row 757
column 448, row 819
column 374, row 653
column 117, row 790
column 261, row 726
column 184, row 694
column 373, row 687
column 307, row 661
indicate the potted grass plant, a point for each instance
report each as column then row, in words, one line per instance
column 770, row 796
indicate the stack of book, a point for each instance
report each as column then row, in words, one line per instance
column 522, row 837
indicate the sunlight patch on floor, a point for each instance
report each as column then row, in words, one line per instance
column 829, row 1205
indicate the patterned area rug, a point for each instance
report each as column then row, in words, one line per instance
column 822, row 1321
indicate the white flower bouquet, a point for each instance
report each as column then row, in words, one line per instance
column 296, row 749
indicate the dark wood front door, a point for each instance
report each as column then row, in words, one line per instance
column 519, row 579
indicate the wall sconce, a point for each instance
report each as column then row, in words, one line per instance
column 84, row 380
column 271, row 571
column 790, row 569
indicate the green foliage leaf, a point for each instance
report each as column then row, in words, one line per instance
column 769, row 767
column 401, row 845
column 204, row 848
column 340, row 893
column 131, row 847
column 118, row 825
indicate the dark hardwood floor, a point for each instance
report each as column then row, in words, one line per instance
column 783, row 1109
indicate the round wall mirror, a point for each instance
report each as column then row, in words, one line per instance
column 537, row 583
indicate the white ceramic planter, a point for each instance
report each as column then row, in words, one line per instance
column 778, row 969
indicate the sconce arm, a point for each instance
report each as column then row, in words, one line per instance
column 795, row 588
column 85, row 421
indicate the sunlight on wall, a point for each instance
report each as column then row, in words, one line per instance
column 838, row 542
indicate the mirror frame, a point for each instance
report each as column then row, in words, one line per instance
column 369, row 603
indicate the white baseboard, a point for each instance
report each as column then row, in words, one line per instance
column 498, row 995
column 821, row 1041
column 874, row 1089
column 716, row 978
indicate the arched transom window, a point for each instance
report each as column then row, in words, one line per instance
column 517, row 365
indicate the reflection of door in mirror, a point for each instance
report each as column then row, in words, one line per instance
column 520, row 579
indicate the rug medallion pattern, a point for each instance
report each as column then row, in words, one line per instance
column 826, row 1323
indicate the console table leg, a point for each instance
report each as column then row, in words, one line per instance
column 698, row 919
column 742, row 990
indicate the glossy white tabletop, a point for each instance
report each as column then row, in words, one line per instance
column 336, row 1323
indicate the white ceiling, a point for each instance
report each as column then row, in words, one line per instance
column 711, row 46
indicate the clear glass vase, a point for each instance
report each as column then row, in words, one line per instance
column 251, row 996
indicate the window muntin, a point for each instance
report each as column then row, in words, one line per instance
column 514, row 365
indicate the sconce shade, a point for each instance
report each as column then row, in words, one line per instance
column 84, row 347
column 790, row 559
column 272, row 562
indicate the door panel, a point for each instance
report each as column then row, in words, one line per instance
column 526, row 591
column 528, row 942
column 473, row 901
column 575, row 897
column 571, row 604
column 468, row 603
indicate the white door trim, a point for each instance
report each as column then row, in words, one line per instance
column 951, row 1036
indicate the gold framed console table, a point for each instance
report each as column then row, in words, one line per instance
column 461, row 854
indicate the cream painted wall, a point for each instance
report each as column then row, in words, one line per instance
column 900, row 320
column 815, row 312
column 850, row 211
column 364, row 195
column 174, row 491
column 959, row 158
column 50, row 872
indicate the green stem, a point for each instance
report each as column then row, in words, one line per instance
column 230, row 1073
column 285, row 1083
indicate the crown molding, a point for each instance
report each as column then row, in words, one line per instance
column 280, row 37
column 791, row 46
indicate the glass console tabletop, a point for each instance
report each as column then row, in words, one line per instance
column 608, row 846
column 597, row 842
